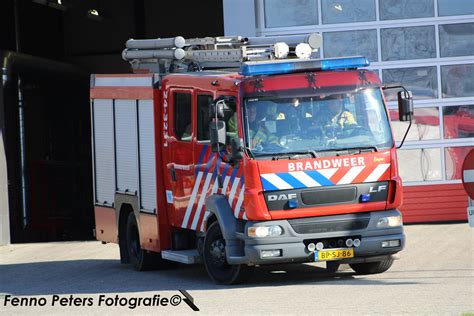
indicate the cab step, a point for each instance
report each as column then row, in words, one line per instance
column 190, row 256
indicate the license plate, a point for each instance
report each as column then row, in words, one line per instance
column 334, row 254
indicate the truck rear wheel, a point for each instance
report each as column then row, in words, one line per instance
column 372, row 267
column 141, row 259
column 215, row 259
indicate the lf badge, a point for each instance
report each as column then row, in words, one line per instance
column 380, row 188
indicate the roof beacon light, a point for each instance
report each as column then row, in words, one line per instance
column 299, row 65
column 281, row 50
column 303, row 50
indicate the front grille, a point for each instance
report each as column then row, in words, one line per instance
column 315, row 225
column 329, row 196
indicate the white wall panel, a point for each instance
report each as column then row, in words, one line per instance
column 126, row 145
column 147, row 155
column 104, row 150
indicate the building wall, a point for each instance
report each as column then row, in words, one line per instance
column 426, row 45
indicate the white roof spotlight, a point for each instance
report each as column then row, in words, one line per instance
column 281, row 50
column 303, row 50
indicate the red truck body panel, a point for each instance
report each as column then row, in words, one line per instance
column 198, row 170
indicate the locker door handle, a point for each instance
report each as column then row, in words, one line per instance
column 173, row 173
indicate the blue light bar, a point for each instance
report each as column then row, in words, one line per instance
column 299, row 65
column 344, row 63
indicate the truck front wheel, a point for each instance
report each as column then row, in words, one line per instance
column 372, row 267
column 215, row 259
column 140, row 259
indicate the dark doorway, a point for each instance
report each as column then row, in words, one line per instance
column 57, row 173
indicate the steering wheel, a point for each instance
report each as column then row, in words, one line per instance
column 331, row 131
column 358, row 130
column 312, row 132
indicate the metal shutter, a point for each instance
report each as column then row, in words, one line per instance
column 126, row 145
column 147, row 155
column 103, row 125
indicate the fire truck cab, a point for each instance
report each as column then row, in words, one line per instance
column 265, row 161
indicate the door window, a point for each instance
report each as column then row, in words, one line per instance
column 203, row 101
column 183, row 127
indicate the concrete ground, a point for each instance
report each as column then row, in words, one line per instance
column 435, row 276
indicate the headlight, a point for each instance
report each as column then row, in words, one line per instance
column 389, row 221
column 265, row 231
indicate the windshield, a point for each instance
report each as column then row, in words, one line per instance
column 319, row 123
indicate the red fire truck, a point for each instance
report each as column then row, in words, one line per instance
column 238, row 152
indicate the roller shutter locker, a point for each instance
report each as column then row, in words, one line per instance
column 147, row 155
column 104, row 150
column 126, row 145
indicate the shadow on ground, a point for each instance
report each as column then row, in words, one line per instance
column 109, row 276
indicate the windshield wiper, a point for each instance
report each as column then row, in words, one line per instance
column 360, row 149
column 290, row 154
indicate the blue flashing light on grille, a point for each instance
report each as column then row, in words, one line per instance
column 293, row 203
column 298, row 65
column 365, row 197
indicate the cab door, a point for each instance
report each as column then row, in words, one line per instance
column 180, row 164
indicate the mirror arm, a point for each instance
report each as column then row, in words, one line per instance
column 396, row 87
column 406, row 133
column 249, row 152
column 215, row 117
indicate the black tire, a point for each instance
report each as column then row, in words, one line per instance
column 372, row 267
column 141, row 259
column 332, row 266
column 215, row 259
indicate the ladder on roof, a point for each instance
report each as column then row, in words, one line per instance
column 177, row 54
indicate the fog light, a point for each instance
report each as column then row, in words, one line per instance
column 293, row 203
column 349, row 242
column 365, row 197
column 356, row 242
column 319, row 246
column 270, row 253
column 311, row 247
column 389, row 221
column 265, row 231
column 390, row 243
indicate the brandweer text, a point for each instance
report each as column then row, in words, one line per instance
column 327, row 163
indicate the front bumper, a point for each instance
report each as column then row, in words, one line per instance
column 248, row 250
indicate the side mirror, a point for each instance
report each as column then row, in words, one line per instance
column 217, row 133
column 216, row 109
column 405, row 106
column 222, row 107
column 237, row 149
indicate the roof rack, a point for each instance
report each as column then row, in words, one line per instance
column 177, row 54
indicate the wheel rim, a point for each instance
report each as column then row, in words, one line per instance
column 217, row 253
column 216, row 258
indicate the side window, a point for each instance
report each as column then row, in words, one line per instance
column 203, row 101
column 183, row 127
